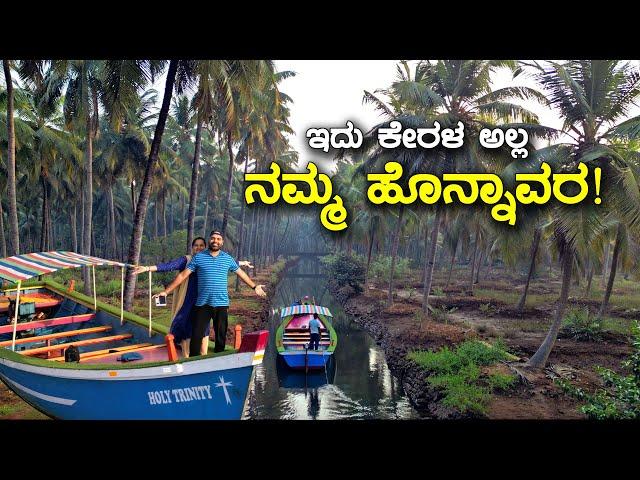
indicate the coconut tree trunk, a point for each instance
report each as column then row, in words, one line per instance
column 121, row 237
column 480, row 260
column 171, row 216
column 164, row 214
column 589, row 280
column 141, row 210
column 156, row 205
column 227, row 203
column 534, row 251
column 182, row 221
column 474, row 258
column 112, row 222
column 251, row 253
column 605, row 265
column 394, row 253
column 430, row 261
column 372, row 234
column 45, row 208
column 87, row 200
column 453, row 259
column 3, row 241
column 133, row 200
column 276, row 222
column 14, row 232
column 539, row 359
column 205, row 217
column 612, row 275
column 426, row 248
column 241, row 236
column 264, row 237
column 74, row 228
column 193, row 194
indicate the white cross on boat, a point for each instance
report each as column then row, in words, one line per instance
column 224, row 386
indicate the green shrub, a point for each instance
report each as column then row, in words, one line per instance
column 108, row 288
column 620, row 397
column 457, row 373
column 441, row 314
column 581, row 325
column 501, row 381
column 162, row 249
column 481, row 354
column 487, row 309
column 346, row 270
column 381, row 267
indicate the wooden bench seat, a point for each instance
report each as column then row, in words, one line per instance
column 80, row 343
column 106, row 351
column 52, row 336
column 49, row 322
column 302, row 342
column 44, row 303
column 298, row 334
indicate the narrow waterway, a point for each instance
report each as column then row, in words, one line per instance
column 356, row 385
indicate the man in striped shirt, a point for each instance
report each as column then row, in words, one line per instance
column 212, row 302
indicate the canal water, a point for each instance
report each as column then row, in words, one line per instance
column 357, row 383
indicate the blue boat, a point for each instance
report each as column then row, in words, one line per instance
column 292, row 337
column 128, row 369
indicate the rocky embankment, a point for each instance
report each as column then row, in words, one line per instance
column 396, row 342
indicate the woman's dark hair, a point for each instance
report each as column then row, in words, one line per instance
column 198, row 238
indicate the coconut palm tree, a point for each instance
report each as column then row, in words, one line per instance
column 14, row 233
column 592, row 96
column 145, row 191
column 449, row 91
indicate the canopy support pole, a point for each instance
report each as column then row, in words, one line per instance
column 15, row 318
column 122, row 297
column 149, row 302
column 95, row 298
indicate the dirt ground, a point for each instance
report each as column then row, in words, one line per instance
column 490, row 314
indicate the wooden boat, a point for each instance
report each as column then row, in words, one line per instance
column 292, row 337
column 128, row 368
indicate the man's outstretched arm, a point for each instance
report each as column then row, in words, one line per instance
column 245, row 278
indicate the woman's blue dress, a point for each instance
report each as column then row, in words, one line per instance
column 181, row 325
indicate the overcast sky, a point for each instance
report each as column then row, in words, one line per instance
column 327, row 93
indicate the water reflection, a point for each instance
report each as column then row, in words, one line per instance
column 357, row 383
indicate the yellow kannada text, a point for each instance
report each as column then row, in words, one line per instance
column 487, row 187
column 333, row 215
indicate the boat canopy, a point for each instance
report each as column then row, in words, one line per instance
column 23, row 267
column 299, row 309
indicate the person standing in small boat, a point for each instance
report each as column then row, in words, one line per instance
column 314, row 332
column 212, row 302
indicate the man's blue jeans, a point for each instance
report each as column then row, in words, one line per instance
column 315, row 341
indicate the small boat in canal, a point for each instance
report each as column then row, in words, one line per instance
column 293, row 337
column 73, row 357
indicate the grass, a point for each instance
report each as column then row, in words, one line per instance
column 617, row 325
column 6, row 410
column 456, row 372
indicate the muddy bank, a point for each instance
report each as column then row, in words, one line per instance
column 398, row 330
column 256, row 317
column 396, row 342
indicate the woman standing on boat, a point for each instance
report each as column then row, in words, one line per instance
column 184, row 298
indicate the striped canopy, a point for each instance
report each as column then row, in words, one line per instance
column 298, row 309
column 24, row 267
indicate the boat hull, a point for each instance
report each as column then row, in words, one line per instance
column 313, row 360
column 207, row 389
